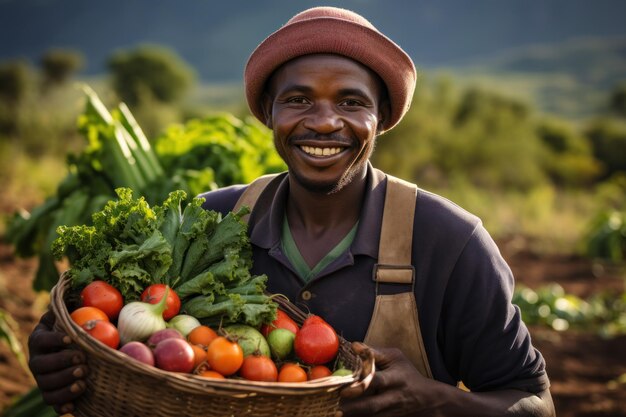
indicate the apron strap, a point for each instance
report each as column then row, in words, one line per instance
column 396, row 235
column 394, row 267
column 251, row 194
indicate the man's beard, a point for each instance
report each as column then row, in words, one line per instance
column 327, row 189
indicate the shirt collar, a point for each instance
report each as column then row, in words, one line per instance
column 267, row 216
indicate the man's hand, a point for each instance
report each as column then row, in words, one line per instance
column 395, row 390
column 58, row 369
column 398, row 389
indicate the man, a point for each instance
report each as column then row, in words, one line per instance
column 380, row 260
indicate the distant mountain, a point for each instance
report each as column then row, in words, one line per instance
column 572, row 78
column 564, row 54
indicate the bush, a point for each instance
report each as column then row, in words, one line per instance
column 606, row 239
column 149, row 71
column 58, row 65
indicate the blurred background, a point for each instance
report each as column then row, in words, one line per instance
column 519, row 116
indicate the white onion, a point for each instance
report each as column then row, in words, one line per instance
column 138, row 320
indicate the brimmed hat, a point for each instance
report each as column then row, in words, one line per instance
column 333, row 30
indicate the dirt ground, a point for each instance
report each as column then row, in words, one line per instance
column 582, row 366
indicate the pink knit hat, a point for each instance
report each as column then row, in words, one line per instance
column 335, row 31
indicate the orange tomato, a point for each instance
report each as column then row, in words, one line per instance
column 319, row 371
column 199, row 355
column 292, row 372
column 211, row 374
column 202, row 335
column 84, row 314
column 224, row 356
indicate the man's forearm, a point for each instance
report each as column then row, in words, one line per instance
column 453, row 402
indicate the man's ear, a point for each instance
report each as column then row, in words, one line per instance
column 266, row 106
column 384, row 113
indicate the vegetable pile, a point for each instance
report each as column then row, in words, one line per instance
column 154, row 332
column 205, row 258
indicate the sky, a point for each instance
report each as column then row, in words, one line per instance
column 216, row 37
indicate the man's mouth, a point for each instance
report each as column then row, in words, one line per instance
column 319, row 151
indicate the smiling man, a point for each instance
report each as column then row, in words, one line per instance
column 412, row 275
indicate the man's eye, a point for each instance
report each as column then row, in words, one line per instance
column 297, row 100
column 351, row 103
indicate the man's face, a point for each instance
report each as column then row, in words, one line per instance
column 325, row 112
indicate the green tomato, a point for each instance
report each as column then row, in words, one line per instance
column 342, row 372
column 281, row 343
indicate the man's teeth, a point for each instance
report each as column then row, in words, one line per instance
column 320, row 151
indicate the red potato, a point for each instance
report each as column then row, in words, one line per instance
column 138, row 351
column 161, row 335
column 175, row 355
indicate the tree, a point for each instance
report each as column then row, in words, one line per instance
column 58, row 65
column 617, row 101
column 151, row 71
column 570, row 158
column 608, row 139
column 14, row 81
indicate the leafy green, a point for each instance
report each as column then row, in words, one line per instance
column 123, row 247
column 253, row 310
column 196, row 157
column 221, row 146
column 206, row 259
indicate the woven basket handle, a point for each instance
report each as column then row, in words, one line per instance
column 367, row 370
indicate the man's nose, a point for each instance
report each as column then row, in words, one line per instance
column 323, row 118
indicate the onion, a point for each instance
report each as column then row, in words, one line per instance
column 138, row 320
column 183, row 323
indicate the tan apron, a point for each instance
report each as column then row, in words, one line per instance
column 394, row 321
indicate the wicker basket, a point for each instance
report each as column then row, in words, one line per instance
column 120, row 386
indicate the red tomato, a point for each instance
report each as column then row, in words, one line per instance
column 283, row 321
column 224, row 356
column 153, row 295
column 316, row 342
column 319, row 371
column 103, row 331
column 104, row 296
column 259, row 368
column 83, row 314
column 292, row 372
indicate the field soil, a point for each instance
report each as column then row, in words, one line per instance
column 583, row 367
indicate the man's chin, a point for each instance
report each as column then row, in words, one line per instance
column 325, row 188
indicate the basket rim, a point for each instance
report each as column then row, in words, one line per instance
column 190, row 382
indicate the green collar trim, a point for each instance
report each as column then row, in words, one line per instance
column 297, row 261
